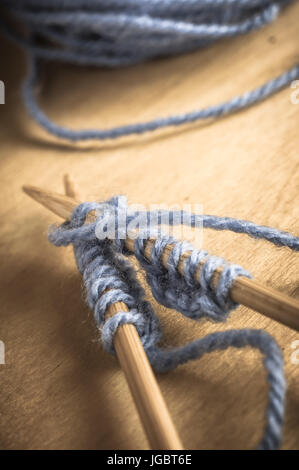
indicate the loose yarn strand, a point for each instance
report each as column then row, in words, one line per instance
column 109, row 278
column 119, row 33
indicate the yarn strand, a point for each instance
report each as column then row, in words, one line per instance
column 235, row 104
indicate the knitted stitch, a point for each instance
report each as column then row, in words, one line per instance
column 109, row 277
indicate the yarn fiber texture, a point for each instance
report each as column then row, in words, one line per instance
column 109, row 277
column 117, row 33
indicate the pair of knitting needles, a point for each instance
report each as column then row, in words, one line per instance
column 152, row 409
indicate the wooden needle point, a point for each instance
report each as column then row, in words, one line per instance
column 248, row 292
column 70, row 187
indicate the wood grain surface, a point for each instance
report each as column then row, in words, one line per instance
column 59, row 388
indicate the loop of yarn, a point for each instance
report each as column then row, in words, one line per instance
column 109, row 277
column 117, row 33
column 183, row 293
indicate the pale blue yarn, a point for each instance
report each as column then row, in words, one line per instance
column 109, row 277
column 116, row 33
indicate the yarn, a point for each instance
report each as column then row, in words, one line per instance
column 117, row 33
column 109, row 277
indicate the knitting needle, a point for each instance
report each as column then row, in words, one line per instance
column 146, row 393
column 248, row 292
column 70, row 188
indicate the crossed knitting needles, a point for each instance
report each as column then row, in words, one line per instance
column 149, row 401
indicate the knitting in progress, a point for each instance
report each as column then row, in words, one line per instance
column 117, row 33
column 109, row 278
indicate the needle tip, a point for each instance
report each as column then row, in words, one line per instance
column 57, row 203
column 30, row 190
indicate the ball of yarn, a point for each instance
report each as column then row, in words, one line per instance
column 117, row 33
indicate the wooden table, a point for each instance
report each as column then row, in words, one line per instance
column 59, row 388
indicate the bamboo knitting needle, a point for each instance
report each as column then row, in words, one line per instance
column 146, row 393
column 248, row 292
column 70, row 187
